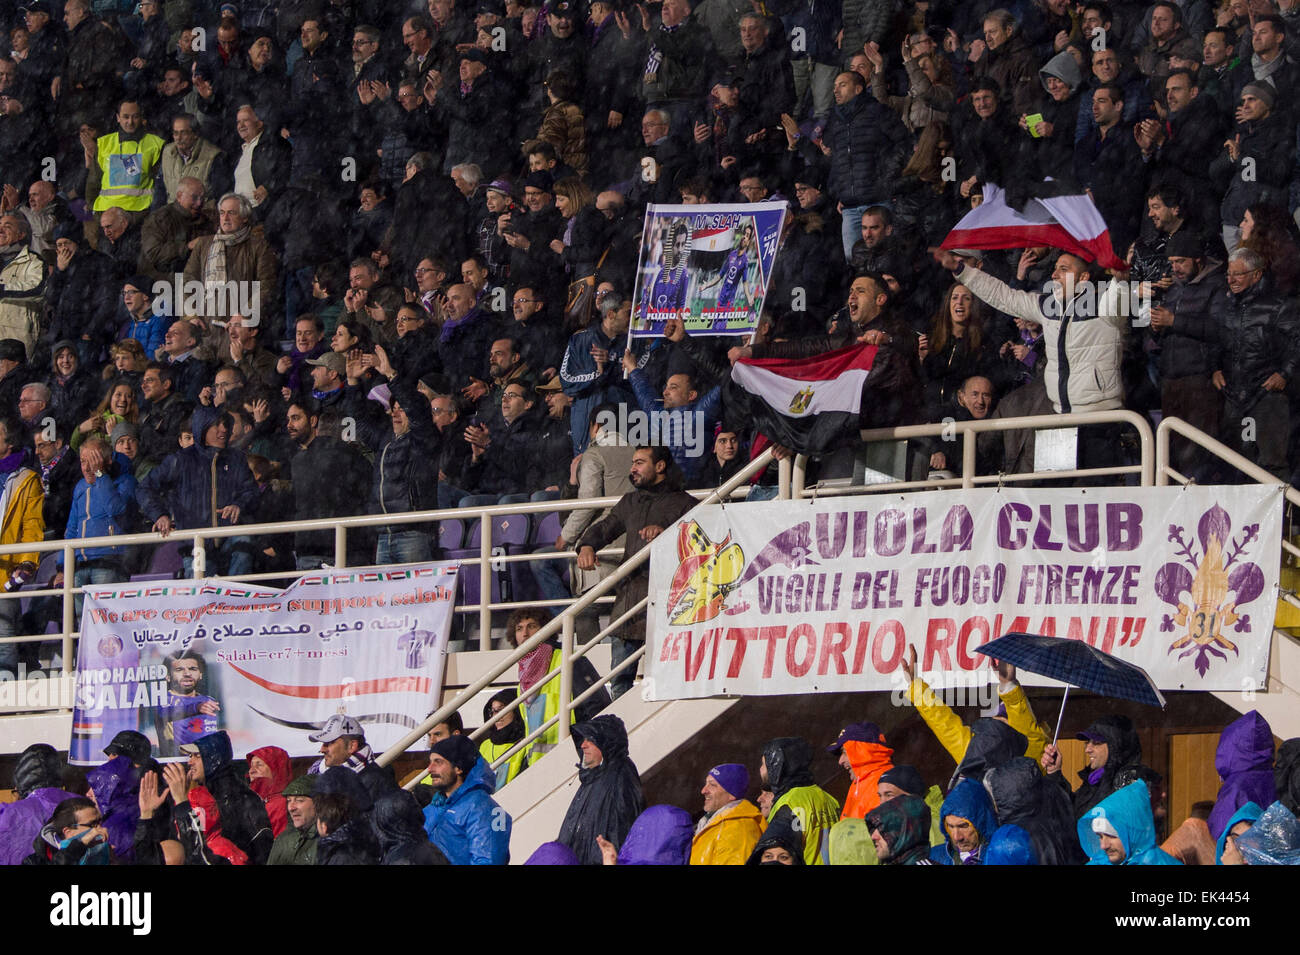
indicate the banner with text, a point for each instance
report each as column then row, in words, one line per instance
column 824, row 596
column 707, row 265
column 182, row 659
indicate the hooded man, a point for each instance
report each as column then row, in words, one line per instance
column 660, row 836
column 343, row 819
column 862, row 751
column 900, row 829
column 38, row 780
column 1244, row 760
column 504, row 733
column 609, row 796
column 1114, row 760
column 212, row 765
column 399, row 825
column 731, row 825
column 968, row 822
column 1024, row 797
column 463, row 820
column 296, row 845
column 782, row 843
column 785, row 770
column 1119, row 830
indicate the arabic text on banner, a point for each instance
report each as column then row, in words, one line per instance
column 182, row 659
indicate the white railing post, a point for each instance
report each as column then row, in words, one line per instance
column 790, row 477
column 199, row 557
column 340, row 545
column 968, row 466
column 69, row 605
column 566, row 675
column 485, row 582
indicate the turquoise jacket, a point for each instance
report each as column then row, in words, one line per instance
column 1128, row 811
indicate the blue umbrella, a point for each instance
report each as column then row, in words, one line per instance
column 1075, row 663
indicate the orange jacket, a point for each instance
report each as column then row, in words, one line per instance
column 869, row 761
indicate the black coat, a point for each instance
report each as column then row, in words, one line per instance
column 83, row 298
column 1123, row 763
column 429, row 219
column 352, row 843
column 1270, row 144
column 1258, row 334
column 1188, row 346
column 399, row 825
column 475, row 131
column 1112, row 168
column 464, row 349
column 1024, row 797
column 869, row 145
column 609, row 796
column 330, row 479
column 243, row 814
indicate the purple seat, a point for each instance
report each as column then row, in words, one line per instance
column 547, row 529
column 166, row 560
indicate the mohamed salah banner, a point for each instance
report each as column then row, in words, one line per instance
column 182, row 659
column 707, row 265
column 824, row 596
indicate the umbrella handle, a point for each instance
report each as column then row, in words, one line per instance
column 1061, row 715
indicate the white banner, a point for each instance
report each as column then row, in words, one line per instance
column 182, row 659
column 824, row 596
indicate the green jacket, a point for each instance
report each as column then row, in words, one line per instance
column 294, row 846
column 816, row 811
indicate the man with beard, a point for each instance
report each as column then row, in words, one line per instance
column 188, row 713
column 642, row 514
column 297, row 844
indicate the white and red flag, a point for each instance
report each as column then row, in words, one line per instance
column 1066, row 221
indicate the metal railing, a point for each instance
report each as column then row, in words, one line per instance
column 1153, row 468
column 969, row 431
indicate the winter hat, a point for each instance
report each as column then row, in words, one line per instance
column 812, row 175
column 474, row 55
column 11, row 349
column 62, row 344
column 458, row 750
column 733, row 777
column 905, row 778
column 499, row 185
column 123, row 429
column 1262, row 92
column 1185, row 244
column 541, row 179
column 140, row 283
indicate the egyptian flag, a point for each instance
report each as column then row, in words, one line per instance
column 806, row 404
column 1051, row 216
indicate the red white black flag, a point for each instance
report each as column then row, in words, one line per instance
column 806, row 404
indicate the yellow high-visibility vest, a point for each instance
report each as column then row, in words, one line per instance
column 127, row 169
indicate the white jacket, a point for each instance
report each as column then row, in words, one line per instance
column 1084, row 339
column 22, row 294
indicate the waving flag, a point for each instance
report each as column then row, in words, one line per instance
column 1069, row 222
column 803, row 403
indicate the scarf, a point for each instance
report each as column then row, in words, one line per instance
column 13, row 462
column 47, row 468
column 323, row 395
column 356, row 762
column 214, row 269
column 1264, row 70
column 535, row 666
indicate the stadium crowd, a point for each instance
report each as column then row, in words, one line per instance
column 265, row 261
column 1006, row 803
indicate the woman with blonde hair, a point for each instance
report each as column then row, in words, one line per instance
column 117, row 405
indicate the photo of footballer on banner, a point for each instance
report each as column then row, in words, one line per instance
column 708, row 265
